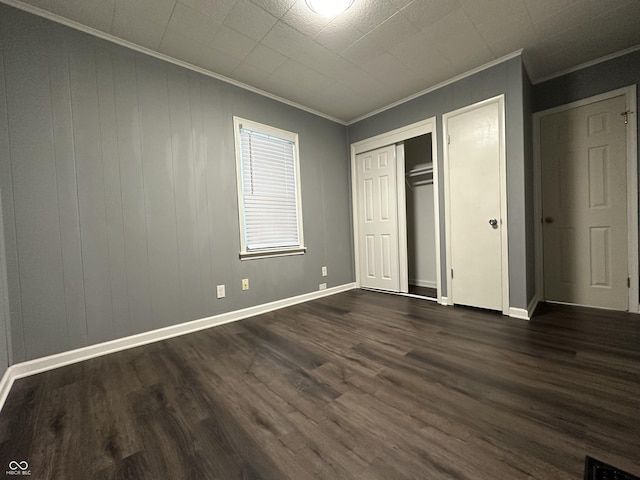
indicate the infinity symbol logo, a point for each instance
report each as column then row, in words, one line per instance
column 13, row 465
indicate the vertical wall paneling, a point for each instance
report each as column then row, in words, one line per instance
column 157, row 167
column 314, row 231
column 220, row 178
column 336, row 194
column 516, row 188
column 118, row 184
column 112, row 191
column 527, row 97
column 91, row 191
column 33, row 174
column 183, row 158
column 5, row 331
column 35, row 188
column 63, row 142
column 202, row 233
column 10, row 293
column 132, row 190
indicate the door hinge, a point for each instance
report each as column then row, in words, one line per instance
column 628, row 282
column 452, row 273
column 448, row 139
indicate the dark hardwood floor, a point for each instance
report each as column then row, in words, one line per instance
column 360, row 385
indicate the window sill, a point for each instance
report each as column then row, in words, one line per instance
column 272, row 253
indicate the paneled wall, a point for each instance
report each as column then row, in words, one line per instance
column 5, row 340
column 118, row 182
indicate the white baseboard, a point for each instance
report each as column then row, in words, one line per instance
column 520, row 313
column 38, row 365
column 5, row 386
column 523, row 314
column 423, row 283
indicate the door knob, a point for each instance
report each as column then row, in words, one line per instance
column 493, row 222
column 548, row 219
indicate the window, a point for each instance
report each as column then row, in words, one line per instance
column 269, row 202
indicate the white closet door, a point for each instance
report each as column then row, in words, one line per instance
column 474, row 206
column 378, row 219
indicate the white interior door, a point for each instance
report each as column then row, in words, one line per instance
column 474, row 205
column 584, row 205
column 378, row 219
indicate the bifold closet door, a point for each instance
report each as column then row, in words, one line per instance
column 474, row 206
column 378, row 219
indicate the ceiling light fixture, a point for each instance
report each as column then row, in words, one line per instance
column 328, row 8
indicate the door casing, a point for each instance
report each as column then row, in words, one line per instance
column 632, row 188
column 391, row 138
column 503, row 196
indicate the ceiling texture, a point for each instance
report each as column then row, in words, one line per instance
column 374, row 54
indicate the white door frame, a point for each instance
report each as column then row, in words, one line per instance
column 503, row 197
column 403, row 254
column 632, row 188
column 391, row 138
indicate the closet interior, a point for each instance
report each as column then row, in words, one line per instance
column 421, row 241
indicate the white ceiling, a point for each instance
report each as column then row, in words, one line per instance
column 376, row 53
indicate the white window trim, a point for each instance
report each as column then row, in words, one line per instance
column 275, row 132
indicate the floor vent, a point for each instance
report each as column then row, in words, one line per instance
column 597, row 470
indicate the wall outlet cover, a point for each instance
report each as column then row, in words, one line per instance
column 245, row 284
column 324, row 271
column 322, row 286
column 220, row 291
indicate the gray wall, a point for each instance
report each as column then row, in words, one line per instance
column 5, row 332
column 600, row 78
column 5, row 341
column 117, row 174
column 529, row 194
column 505, row 78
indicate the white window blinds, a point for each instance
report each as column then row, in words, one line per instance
column 269, row 190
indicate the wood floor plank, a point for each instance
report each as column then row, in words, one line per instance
column 359, row 385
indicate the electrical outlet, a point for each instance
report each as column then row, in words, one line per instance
column 245, row 284
column 220, row 291
column 324, row 271
column 322, row 286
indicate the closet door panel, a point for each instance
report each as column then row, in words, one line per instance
column 378, row 219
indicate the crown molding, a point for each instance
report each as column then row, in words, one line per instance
column 588, row 64
column 466, row 74
column 147, row 51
